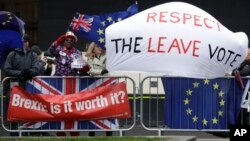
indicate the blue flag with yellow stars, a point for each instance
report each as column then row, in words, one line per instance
column 11, row 31
column 201, row 103
column 93, row 27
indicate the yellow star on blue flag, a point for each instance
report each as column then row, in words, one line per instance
column 201, row 103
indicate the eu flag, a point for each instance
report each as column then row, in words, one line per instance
column 11, row 29
column 201, row 103
column 93, row 27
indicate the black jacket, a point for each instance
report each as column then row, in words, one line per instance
column 244, row 68
column 18, row 60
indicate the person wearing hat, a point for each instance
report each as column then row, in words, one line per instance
column 69, row 60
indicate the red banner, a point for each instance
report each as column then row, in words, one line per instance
column 99, row 103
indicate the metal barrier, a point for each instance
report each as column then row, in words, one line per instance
column 49, row 85
column 190, row 104
column 166, row 104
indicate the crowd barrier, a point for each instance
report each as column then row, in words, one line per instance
column 64, row 86
column 193, row 104
column 165, row 103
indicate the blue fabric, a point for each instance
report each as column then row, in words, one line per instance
column 215, row 103
column 11, row 29
column 9, row 40
column 11, row 22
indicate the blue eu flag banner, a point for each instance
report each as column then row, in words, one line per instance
column 11, row 28
column 201, row 103
column 11, row 22
column 93, row 27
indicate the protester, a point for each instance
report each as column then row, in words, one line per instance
column 69, row 60
column 45, row 65
column 244, row 70
column 96, row 58
column 23, row 64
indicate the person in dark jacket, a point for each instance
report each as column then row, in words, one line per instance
column 22, row 64
column 42, row 62
column 244, row 70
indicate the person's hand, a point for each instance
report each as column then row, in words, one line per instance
column 104, row 71
column 60, row 40
column 44, row 59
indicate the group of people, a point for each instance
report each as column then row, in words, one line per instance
column 27, row 63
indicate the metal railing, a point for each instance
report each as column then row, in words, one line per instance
column 191, row 104
column 48, row 85
column 165, row 103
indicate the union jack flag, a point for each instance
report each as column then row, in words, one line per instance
column 79, row 21
column 93, row 27
column 64, row 86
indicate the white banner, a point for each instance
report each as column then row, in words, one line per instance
column 176, row 39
